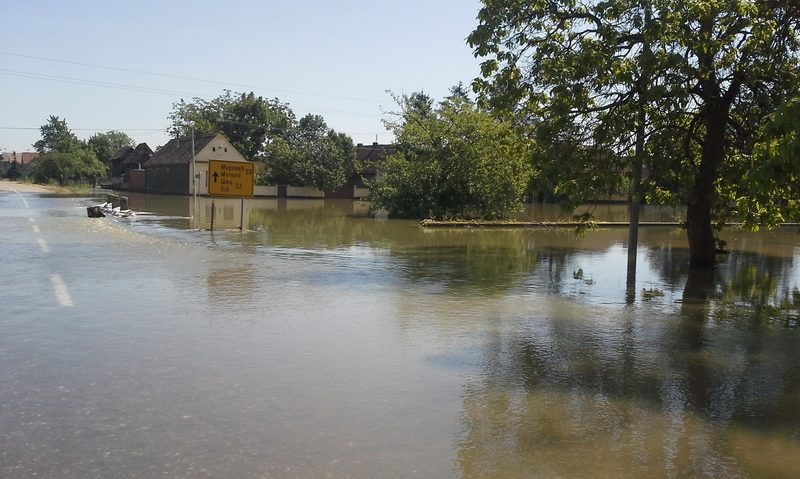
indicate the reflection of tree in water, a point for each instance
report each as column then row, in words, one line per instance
column 754, row 288
column 497, row 260
column 446, row 259
column 670, row 264
column 543, row 406
column 315, row 224
column 458, row 260
column 554, row 270
column 579, row 394
column 500, row 260
column 758, row 290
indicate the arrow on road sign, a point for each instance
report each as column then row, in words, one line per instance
column 230, row 178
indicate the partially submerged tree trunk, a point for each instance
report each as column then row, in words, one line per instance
column 702, row 248
column 634, row 200
column 699, row 286
column 702, row 243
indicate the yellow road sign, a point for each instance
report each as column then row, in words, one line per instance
column 230, row 178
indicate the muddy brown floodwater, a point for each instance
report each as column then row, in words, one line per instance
column 322, row 342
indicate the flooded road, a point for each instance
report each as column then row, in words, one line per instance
column 321, row 342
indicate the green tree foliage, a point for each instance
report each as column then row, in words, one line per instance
column 705, row 72
column 301, row 153
column 769, row 190
column 250, row 122
column 76, row 165
column 311, row 154
column 13, row 172
column 63, row 157
column 104, row 145
column 454, row 161
column 56, row 137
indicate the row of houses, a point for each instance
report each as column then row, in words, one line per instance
column 16, row 165
column 170, row 169
column 22, row 158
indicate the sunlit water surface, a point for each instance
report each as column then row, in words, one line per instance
column 322, row 342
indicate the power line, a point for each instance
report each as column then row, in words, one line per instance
column 163, row 130
column 82, row 81
column 83, row 129
column 179, row 77
column 122, row 86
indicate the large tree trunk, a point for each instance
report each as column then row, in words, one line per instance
column 702, row 245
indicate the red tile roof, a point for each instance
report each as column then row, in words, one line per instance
column 24, row 157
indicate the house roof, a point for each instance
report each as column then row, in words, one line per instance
column 137, row 156
column 178, row 151
column 370, row 155
column 374, row 152
column 24, row 157
column 122, row 153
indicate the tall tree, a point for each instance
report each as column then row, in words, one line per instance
column 250, row 122
column 64, row 157
column 104, row 145
column 56, row 137
column 311, row 154
column 453, row 160
column 568, row 71
column 13, row 172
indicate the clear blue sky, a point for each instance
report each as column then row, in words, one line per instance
column 334, row 58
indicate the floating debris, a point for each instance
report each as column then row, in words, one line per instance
column 648, row 294
column 115, row 206
column 95, row 211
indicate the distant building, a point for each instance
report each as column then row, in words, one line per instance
column 369, row 157
column 127, row 167
column 130, row 158
column 23, row 158
column 169, row 170
column 17, row 165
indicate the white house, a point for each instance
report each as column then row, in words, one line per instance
column 171, row 168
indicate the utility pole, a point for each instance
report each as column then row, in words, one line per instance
column 194, row 175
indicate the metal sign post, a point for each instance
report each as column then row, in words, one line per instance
column 241, row 215
column 212, row 213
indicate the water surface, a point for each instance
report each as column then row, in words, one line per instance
column 322, row 342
